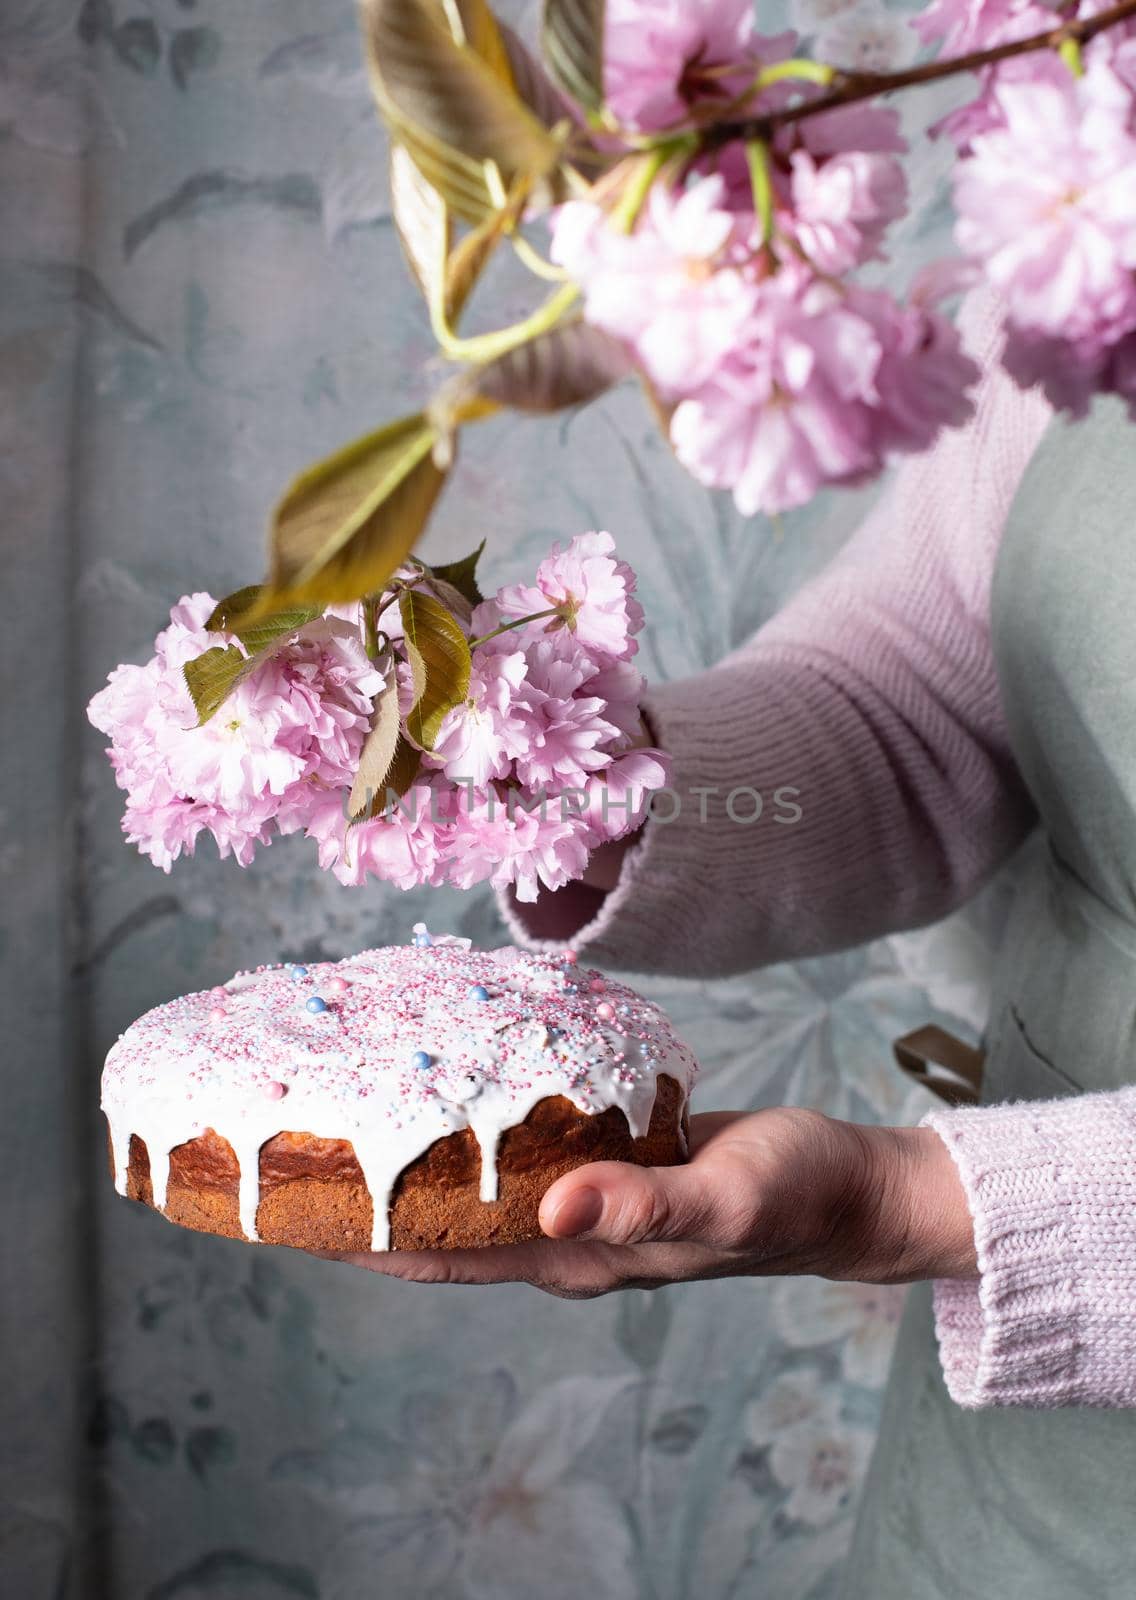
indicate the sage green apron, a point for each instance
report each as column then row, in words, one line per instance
column 1008, row 1502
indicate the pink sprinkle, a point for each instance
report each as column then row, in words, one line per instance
column 275, row 1090
column 337, row 986
column 606, row 1010
column 218, row 1014
column 597, row 986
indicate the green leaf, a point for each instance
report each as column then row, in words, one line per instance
column 462, row 574
column 450, row 108
column 404, row 767
column 533, row 84
column 229, row 610
column 345, row 524
column 572, row 40
column 236, row 614
column 445, row 274
column 453, row 599
column 377, row 754
column 484, row 35
column 570, row 365
column 422, row 222
column 438, row 652
column 212, row 677
column 471, row 254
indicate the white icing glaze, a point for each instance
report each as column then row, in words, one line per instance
column 218, row 1060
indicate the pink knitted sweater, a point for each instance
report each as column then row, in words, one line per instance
column 866, row 715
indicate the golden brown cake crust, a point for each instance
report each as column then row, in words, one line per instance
column 313, row 1197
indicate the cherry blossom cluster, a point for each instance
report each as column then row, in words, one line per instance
column 1045, row 193
column 538, row 765
column 780, row 376
column 734, row 276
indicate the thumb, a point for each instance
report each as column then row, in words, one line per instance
column 614, row 1202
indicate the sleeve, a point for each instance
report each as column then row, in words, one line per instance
column 866, row 717
column 1051, row 1318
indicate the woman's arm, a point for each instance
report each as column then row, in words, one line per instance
column 1024, row 1216
column 865, row 714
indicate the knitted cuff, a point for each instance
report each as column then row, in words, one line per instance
column 1050, row 1319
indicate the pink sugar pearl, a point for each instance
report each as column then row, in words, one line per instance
column 571, row 957
column 606, row 1010
column 275, row 1090
column 337, row 986
column 597, row 986
column 218, row 1014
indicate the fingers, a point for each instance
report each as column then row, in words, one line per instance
column 506, row 1263
column 573, row 1271
column 615, row 1203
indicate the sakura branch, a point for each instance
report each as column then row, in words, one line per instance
column 708, row 198
column 705, row 200
column 406, row 747
column 847, row 88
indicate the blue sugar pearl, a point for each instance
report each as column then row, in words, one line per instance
column 315, row 1004
column 420, row 1060
column 555, row 1033
column 297, row 971
column 478, row 991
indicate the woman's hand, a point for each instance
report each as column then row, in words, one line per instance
column 768, row 1192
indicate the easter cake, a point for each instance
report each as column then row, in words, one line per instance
column 414, row 1096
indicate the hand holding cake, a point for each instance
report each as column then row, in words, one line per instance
column 765, row 1193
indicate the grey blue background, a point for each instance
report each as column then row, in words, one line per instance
column 200, row 291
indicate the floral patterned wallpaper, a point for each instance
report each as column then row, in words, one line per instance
column 200, row 291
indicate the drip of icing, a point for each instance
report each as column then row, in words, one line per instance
column 263, row 1064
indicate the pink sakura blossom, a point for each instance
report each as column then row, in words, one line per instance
column 962, row 26
column 668, row 290
column 663, row 57
column 566, row 732
column 817, row 394
column 1121, row 377
column 620, row 685
column 867, row 39
column 510, row 844
column 784, row 415
column 1047, row 206
column 407, row 845
column 299, row 720
column 551, row 705
column 924, row 375
column 871, row 128
column 479, row 739
column 842, row 207
column 592, row 592
column 1072, row 373
column 616, row 800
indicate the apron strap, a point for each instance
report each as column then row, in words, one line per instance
column 943, row 1063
